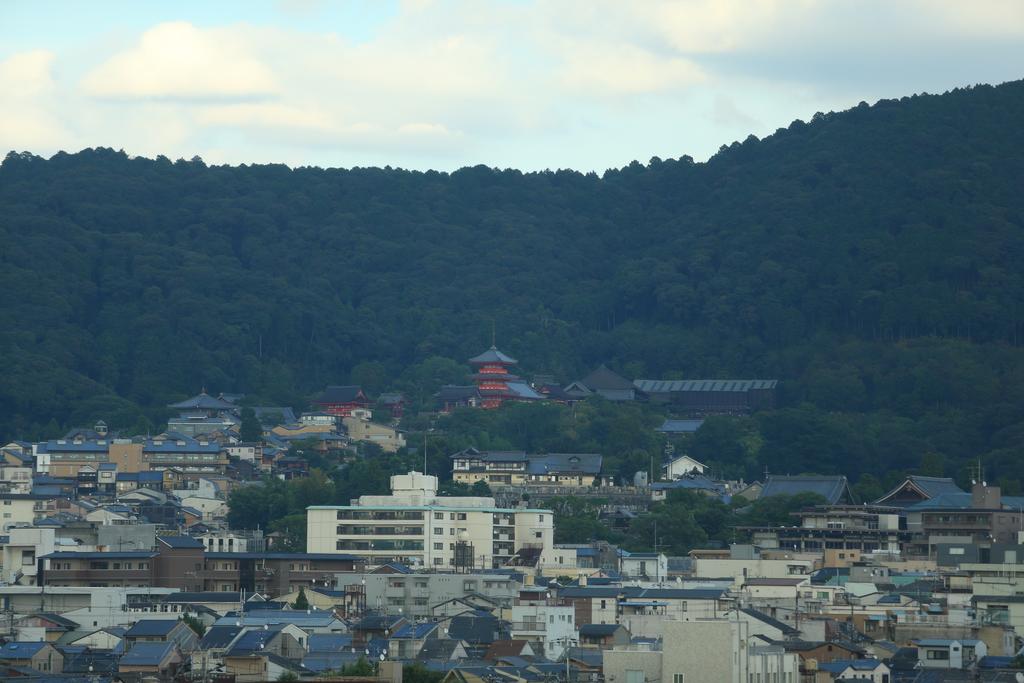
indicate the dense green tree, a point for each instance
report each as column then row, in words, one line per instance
column 869, row 259
column 301, row 601
column 251, row 430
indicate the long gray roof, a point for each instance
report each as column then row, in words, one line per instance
column 661, row 386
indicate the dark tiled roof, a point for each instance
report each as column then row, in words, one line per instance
column 770, row 621
column 147, row 654
column 349, row 393
column 581, row 463
column 219, row 637
column 832, row 488
column 455, row 392
column 151, row 628
column 657, row 386
column 492, row 355
column 599, row 630
column 603, row 378
column 203, row 401
column 180, row 542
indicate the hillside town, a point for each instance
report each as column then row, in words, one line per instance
column 119, row 560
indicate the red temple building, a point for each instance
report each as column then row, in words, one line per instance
column 342, row 400
column 495, row 383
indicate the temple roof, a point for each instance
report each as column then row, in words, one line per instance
column 203, row 401
column 349, row 393
column 493, row 355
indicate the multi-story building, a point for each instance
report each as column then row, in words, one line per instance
column 416, row 526
column 360, row 428
column 838, row 527
column 984, row 517
column 423, row 595
column 516, row 468
column 185, row 566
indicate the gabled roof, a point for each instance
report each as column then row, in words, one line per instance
column 20, row 650
column 832, row 488
column 219, row 637
column 328, row 642
column 604, row 379
column 203, row 401
column 253, row 640
column 151, row 628
column 348, row 393
column 147, row 654
column 924, row 487
column 492, row 355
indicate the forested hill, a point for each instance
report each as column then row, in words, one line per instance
column 870, row 259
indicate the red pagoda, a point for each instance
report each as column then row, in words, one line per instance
column 491, row 372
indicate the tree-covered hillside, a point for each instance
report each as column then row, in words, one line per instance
column 870, row 259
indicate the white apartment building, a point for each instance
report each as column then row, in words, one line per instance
column 417, row 527
column 552, row 625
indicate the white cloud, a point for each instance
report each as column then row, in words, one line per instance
column 534, row 83
column 177, row 60
column 28, row 120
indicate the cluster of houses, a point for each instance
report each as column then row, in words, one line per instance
column 922, row 584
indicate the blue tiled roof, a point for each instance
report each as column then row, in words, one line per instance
column 147, row 654
column 254, row 640
column 329, row 642
column 840, row 665
column 20, row 650
column 415, row 631
column 150, row 628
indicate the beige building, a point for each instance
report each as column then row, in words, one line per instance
column 516, row 468
column 360, row 428
column 416, row 526
column 20, row 509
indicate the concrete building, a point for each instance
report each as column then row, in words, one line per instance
column 720, row 651
column 426, row 594
column 500, row 469
column 417, row 527
column 551, row 625
column 21, row 552
column 360, row 428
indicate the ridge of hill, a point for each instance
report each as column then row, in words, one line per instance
column 870, row 259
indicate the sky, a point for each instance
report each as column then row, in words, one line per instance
column 430, row 84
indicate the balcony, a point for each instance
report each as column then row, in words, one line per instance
column 347, row 530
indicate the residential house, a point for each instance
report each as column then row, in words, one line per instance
column 681, row 465
column 162, row 631
column 360, row 428
column 157, row 658
column 941, row 653
column 41, row 656
column 604, row 636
